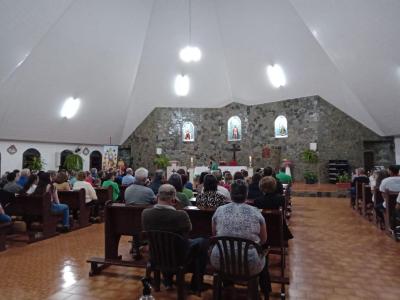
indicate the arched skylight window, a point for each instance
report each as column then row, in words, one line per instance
column 281, row 130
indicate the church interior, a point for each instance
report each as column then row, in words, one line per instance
column 199, row 149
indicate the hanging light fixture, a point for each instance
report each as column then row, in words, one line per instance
column 190, row 53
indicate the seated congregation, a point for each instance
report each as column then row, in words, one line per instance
column 217, row 214
column 377, row 197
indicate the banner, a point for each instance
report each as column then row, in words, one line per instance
column 110, row 158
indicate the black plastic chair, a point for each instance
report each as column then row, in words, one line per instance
column 168, row 253
column 234, row 264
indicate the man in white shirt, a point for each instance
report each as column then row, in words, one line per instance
column 391, row 183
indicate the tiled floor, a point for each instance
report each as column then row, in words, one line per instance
column 318, row 187
column 335, row 255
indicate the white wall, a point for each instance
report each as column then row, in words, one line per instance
column 397, row 149
column 48, row 152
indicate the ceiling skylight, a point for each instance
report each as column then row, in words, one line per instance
column 70, row 107
column 276, row 75
column 182, row 85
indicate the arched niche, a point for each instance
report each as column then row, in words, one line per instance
column 96, row 160
column 281, row 128
column 28, row 157
column 63, row 156
column 234, row 129
column 188, row 132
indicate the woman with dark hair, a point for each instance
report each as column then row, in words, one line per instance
column 176, row 181
column 209, row 198
column 199, row 187
column 254, row 190
column 157, row 181
column 61, row 182
column 238, row 175
column 238, row 219
column 46, row 186
column 30, row 185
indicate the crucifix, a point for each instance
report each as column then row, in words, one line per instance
column 234, row 149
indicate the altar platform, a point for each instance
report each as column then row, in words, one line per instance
column 300, row 189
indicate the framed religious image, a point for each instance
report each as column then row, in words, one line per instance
column 281, row 130
column 86, row 151
column 188, row 132
column 234, row 129
column 12, row 149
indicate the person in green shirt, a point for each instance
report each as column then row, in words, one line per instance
column 186, row 191
column 109, row 181
column 176, row 181
column 283, row 177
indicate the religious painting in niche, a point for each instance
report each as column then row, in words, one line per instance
column 110, row 156
column 188, row 132
column 234, row 129
column 281, row 130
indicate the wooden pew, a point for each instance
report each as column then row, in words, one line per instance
column 122, row 189
column 277, row 244
column 103, row 195
column 126, row 220
column 367, row 206
column 201, row 222
column 4, row 229
column 76, row 202
column 378, row 198
column 119, row 220
column 358, row 200
column 390, row 202
column 33, row 207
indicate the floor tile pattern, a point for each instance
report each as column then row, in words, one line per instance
column 336, row 254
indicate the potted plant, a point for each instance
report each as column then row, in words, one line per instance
column 73, row 162
column 161, row 161
column 344, row 181
column 36, row 164
column 310, row 177
column 310, row 156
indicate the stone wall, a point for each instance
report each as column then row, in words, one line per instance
column 310, row 119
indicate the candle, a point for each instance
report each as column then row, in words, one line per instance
column 250, row 160
column 191, row 161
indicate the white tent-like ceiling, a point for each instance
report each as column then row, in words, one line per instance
column 121, row 57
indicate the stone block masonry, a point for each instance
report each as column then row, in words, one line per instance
column 310, row 119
